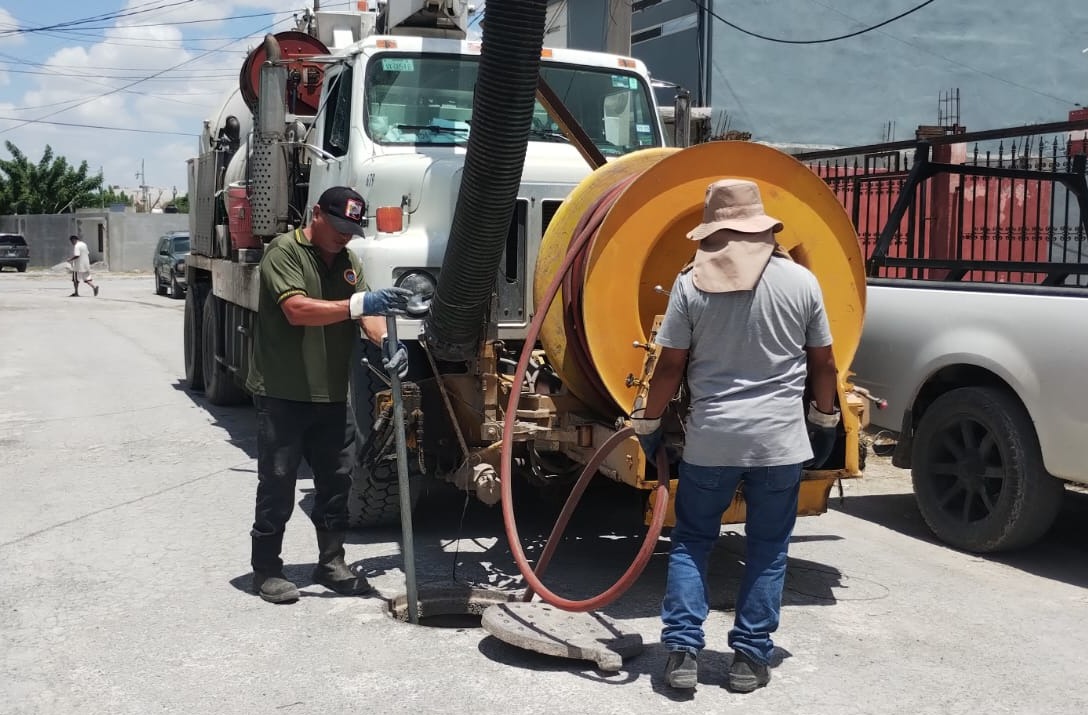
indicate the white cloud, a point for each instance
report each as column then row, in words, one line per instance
column 88, row 80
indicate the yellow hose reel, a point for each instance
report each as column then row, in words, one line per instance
column 641, row 244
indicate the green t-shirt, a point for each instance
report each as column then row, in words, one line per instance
column 306, row 364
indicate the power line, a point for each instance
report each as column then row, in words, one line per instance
column 25, row 122
column 96, row 18
column 173, row 23
column 183, row 78
column 98, row 126
column 784, row 41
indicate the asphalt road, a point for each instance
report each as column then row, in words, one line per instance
column 124, row 567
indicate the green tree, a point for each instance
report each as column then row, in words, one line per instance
column 50, row 186
column 181, row 203
column 109, row 197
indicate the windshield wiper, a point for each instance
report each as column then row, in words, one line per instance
column 548, row 134
column 432, row 128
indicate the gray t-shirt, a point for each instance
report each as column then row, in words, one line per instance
column 747, row 365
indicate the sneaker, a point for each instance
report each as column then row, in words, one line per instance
column 746, row 675
column 275, row 588
column 681, row 670
column 95, row 291
column 73, row 295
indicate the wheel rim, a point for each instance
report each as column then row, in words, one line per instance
column 966, row 470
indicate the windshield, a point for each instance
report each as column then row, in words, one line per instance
column 427, row 100
column 12, row 241
column 181, row 245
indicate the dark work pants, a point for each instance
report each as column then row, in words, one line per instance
column 288, row 432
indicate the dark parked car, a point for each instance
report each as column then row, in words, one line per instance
column 169, row 265
column 14, row 252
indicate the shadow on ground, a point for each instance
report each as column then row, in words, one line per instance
column 1062, row 555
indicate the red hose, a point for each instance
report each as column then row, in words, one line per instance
column 584, row 232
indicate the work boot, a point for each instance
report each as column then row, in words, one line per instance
column 745, row 674
column 681, row 670
column 332, row 571
column 275, row 588
column 95, row 291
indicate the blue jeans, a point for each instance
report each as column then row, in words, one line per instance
column 703, row 495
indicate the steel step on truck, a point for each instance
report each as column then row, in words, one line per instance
column 490, row 170
column 977, row 320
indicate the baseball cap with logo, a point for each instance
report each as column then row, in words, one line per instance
column 344, row 209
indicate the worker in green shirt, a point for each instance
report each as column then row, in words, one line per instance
column 312, row 300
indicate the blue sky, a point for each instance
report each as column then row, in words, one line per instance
column 100, row 73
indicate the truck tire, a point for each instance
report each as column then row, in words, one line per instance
column 374, row 499
column 176, row 291
column 219, row 385
column 375, row 495
column 192, row 345
column 159, row 288
column 978, row 472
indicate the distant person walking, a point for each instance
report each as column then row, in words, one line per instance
column 81, row 266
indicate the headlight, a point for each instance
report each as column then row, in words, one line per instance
column 422, row 285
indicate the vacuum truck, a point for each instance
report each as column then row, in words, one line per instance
column 491, row 171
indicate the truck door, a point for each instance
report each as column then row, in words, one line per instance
column 332, row 167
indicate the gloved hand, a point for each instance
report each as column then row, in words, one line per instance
column 821, row 435
column 397, row 362
column 384, row 301
column 649, row 433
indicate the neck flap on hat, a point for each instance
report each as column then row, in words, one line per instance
column 729, row 261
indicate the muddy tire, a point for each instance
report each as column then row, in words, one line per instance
column 219, row 385
column 192, row 346
column 978, row 472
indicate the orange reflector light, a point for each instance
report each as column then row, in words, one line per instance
column 546, row 53
column 387, row 44
column 626, row 63
column 390, row 219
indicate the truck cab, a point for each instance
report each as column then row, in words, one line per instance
column 396, row 120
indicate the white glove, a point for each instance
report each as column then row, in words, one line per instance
column 823, row 419
column 355, row 305
column 644, row 426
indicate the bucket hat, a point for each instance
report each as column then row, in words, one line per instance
column 736, row 238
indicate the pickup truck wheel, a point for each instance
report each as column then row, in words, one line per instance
column 978, row 473
column 192, row 347
column 219, row 386
column 159, row 288
column 176, row 291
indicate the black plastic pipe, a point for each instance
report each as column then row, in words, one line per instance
column 502, row 115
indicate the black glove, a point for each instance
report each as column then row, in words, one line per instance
column 821, row 435
column 649, row 433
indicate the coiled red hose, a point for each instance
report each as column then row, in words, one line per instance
column 584, row 232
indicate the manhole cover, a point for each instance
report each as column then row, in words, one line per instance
column 545, row 629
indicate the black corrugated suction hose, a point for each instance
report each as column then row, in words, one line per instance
column 501, row 118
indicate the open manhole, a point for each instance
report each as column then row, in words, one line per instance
column 449, row 605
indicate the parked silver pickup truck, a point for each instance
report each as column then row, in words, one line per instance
column 976, row 322
column 987, row 390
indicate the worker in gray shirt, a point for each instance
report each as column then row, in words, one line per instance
column 748, row 326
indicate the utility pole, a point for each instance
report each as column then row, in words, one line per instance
column 617, row 31
column 142, row 176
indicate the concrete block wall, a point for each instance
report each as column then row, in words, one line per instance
column 125, row 241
